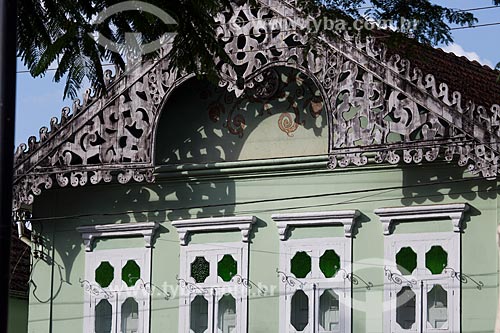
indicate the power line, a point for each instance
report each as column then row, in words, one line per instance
column 476, row 26
column 259, row 201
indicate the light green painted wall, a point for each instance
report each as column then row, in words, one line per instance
column 18, row 315
column 199, row 197
column 189, row 135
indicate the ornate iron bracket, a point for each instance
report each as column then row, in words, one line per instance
column 150, row 288
column 355, row 279
column 398, row 278
column 94, row 289
column 248, row 284
column 289, row 280
column 464, row 278
column 191, row 287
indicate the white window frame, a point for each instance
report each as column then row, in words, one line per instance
column 451, row 241
column 214, row 287
column 421, row 278
column 117, row 292
column 315, row 282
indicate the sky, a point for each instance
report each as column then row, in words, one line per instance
column 40, row 99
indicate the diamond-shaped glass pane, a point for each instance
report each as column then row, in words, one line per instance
column 329, row 313
column 301, row 265
column 437, row 307
column 436, row 259
column 130, row 316
column 131, row 272
column 406, row 259
column 103, row 317
column 329, row 263
column 227, row 268
column 104, row 274
column 199, row 314
column 405, row 308
column 200, row 269
column 227, row 314
column 299, row 316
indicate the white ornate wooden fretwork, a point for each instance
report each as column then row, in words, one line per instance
column 375, row 104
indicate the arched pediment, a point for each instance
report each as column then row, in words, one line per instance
column 375, row 104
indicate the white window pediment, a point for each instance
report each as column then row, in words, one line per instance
column 347, row 218
column 455, row 212
column 189, row 226
column 92, row 232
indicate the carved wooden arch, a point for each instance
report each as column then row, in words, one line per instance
column 112, row 136
column 252, row 81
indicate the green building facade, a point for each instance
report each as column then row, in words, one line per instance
column 339, row 190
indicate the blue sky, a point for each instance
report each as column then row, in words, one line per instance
column 40, row 99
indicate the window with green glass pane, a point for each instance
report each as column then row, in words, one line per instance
column 200, row 269
column 104, row 274
column 226, row 322
column 329, row 311
column 199, row 314
column 299, row 316
column 436, row 259
column 131, row 273
column 437, row 307
column 406, row 259
column 301, row 265
column 329, row 263
column 405, row 308
column 227, row 268
column 130, row 316
column 103, row 317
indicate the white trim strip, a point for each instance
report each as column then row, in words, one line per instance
column 344, row 217
column 400, row 214
column 91, row 232
column 189, row 226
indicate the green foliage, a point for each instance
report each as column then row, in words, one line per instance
column 55, row 31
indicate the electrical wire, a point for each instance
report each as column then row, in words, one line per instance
column 259, row 201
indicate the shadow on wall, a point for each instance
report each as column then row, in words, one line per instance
column 201, row 124
column 433, row 183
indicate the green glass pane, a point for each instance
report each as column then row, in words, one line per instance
column 103, row 317
column 227, row 268
column 329, row 263
column 437, row 307
column 405, row 308
column 104, row 274
column 131, row 272
column 200, row 269
column 406, row 259
column 301, row 265
column 199, row 315
column 227, row 314
column 299, row 311
column 130, row 316
column 436, row 259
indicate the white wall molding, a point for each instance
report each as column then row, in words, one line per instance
column 345, row 217
column 455, row 212
column 92, row 232
column 190, row 226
